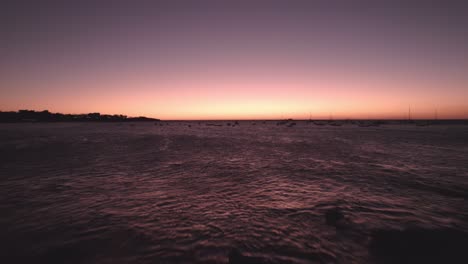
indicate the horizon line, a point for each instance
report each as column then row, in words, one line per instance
column 437, row 117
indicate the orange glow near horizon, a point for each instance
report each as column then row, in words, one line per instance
column 254, row 98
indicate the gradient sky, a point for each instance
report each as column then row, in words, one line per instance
column 236, row 59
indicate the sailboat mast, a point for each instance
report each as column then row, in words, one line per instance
column 409, row 113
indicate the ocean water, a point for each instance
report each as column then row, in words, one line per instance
column 186, row 192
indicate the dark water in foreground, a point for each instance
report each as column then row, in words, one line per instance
column 140, row 193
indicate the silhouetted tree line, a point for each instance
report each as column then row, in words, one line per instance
column 46, row 116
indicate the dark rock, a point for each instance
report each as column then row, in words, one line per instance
column 419, row 245
column 334, row 217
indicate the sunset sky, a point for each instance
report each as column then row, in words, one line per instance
column 236, row 59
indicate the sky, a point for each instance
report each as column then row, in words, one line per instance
column 239, row 59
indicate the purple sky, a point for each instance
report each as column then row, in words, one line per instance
column 236, row 59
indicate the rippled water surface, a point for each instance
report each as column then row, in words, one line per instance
column 145, row 193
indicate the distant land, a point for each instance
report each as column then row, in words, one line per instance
column 25, row 116
column 46, row 116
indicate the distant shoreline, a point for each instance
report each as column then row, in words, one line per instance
column 31, row 116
